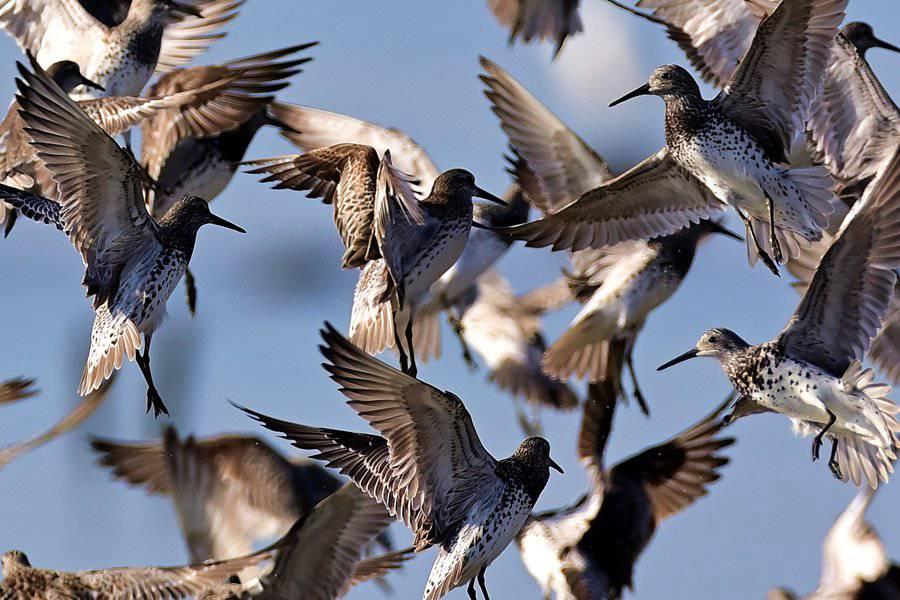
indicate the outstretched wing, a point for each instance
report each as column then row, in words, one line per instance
column 50, row 29
column 186, row 36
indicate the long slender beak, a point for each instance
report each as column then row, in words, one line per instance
column 644, row 90
column 185, row 8
column 478, row 225
column 886, row 45
column 214, row 220
column 92, row 84
column 480, row 193
column 556, row 466
column 686, row 356
column 717, row 228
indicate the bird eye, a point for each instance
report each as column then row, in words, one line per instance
column 712, row 339
column 666, row 76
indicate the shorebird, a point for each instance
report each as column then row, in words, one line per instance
column 195, row 149
column 321, row 555
column 457, row 497
column 855, row 564
column 154, row 35
column 589, row 550
column 311, row 129
column 505, row 330
column 133, row 263
column 554, row 20
column 13, row 390
column 811, row 372
column 20, row 166
column 702, row 169
column 21, row 581
column 248, row 492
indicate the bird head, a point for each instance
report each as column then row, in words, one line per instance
column 718, row 343
column 667, row 81
column 12, row 559
column 863, row 37
column 535, row 452
column 458, row 185
column 67, row 75
column 193, row 212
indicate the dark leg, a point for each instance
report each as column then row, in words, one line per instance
column 412, row 353
column 153, row 399
column 481, row 583
column 11, row 216
column 763, row 255
column 817, row 442
column 638, row 395
column 832, row 461
column 190, row 285
column 777, row 256
column 456, row 324
column 404, row 361
column 471, row 590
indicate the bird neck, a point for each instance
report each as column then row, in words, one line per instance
column 684, row 113
column 178, row 236
column 145, row 14
column 516, row 471
column 448, row 208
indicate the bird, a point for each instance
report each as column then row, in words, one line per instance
column 249, row 491
column 311, row 129
column 589, row 550
column 619, row 285
column 812, row 371
column 554, row 20
column 20, row 166
column 133, row 262
column 22, row 581
column 196, row 148
column 708, row 143
column 75, row 417
column 13, row 390
column 427, row 465
column 855, row 563
column 155, row 35
column 321, row 558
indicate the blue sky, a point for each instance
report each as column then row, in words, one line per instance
column 263, row 296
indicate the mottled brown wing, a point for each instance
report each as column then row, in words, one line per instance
column 187, row 36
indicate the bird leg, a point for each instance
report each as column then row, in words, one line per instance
column 832, row 460
column 638, row 395
column 412, row 353
column 763, row 255
column 777, row 255
column 11, row 216
column 817, row 441
column 471, row 589
column 153, row 399
column 457, row 325
column 404, row 361
column 481, row 582
column 190, row 286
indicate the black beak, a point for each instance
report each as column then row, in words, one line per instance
column 92, row 84
column 717, row 228
column 644, row 90
column 886, row 45
column 686, row 356
column 214, row 220
column 480, row 193
column 556, row 466
column 478, row 225
column 185, row 8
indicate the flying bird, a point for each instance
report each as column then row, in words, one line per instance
column 543, row 20
column 457, row 497
column 13, row 390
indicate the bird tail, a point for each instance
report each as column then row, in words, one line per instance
column 526, row 379
column 814, row 202
column 371, row 319
column 597, row 360
column 113, row 338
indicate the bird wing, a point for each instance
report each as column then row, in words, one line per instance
column 49, row 29
column 854, row 122
column 186, row 36
column 141, row 464
column 13, row 390
column 675, row 473
column 656, row 197
column 714, row 34
column 379, row 566
column 565, row 166
column 849, row 295
column 324, row 548
column 596, row 425
column 310, row 128
column 771, row 91
column 244, row 87
column 435, row 452
column 99, row 182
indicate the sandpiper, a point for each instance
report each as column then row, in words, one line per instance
column 466, row 502
column 811, row 372
column 710, row 142
column 554, row 20
column 589, row 550
column 22, row 581
column 13, row 390
column 855, row 563
column 133, row 262
column 249, row 505
column 155, row 35
column 320, row 555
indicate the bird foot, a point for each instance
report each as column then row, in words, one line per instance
column 770, row 264
column 642, row 401
column 155, row 402
column 835, row 469
column 816, row 446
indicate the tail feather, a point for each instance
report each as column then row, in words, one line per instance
column 113, row 338
column 371, row 319
column 568, row 357
column 529, row 382
column 427, row 336
column 817, row 196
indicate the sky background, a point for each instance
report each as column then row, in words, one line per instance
column 263, row 297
